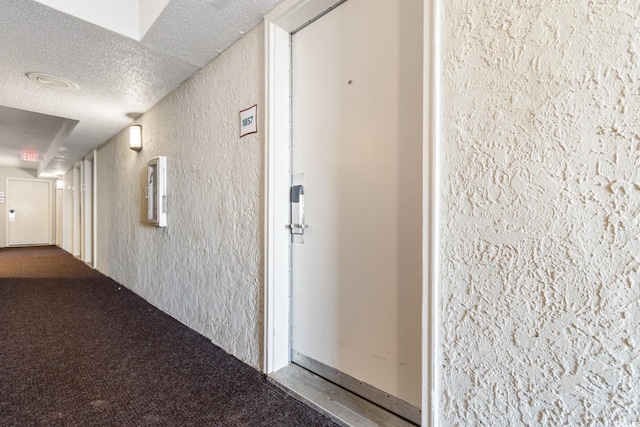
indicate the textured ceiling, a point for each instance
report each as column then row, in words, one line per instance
column 118, row 77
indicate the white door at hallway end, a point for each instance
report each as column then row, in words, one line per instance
column 356, row 279
column 29, row 212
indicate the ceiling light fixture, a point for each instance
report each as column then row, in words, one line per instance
column 135, row 137
column 49, row 80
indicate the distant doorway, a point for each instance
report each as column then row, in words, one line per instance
column 29, row 212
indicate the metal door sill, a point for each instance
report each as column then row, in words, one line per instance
column 342, row 406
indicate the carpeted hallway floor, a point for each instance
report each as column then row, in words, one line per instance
column 77, row 349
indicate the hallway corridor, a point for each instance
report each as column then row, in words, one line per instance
column 77, row 349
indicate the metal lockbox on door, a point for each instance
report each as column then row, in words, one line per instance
column 156, row 191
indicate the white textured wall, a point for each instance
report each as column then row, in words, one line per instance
column 541, row 223
column 205, row 267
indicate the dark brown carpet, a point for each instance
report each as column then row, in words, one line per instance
column 78, row 349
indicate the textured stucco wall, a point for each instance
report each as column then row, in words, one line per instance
column 205, row 267
column 541, row 221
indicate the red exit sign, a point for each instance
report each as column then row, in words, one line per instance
column 30, row 156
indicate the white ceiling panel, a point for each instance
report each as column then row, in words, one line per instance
column 196, row 31
column 121, row 16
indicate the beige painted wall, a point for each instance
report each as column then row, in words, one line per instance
column 541, row 213
column 205, row 267
column 9, row 172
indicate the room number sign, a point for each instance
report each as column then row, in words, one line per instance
column 248, row 121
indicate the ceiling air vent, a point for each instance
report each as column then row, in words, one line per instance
column 49, row 80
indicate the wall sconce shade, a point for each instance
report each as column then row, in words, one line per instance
column 59, row 184
column 135, row 137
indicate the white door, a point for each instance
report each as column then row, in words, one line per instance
column 29, row 212
column 357, row 141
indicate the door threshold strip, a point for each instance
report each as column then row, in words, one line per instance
column 342, row 406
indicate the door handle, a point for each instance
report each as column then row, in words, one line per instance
column 297, row 227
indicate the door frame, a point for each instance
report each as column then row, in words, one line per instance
column 94, row 210
column 289, row 16
column 58, row 228
column 76, row 211
column 8, row 200
column 88, row 198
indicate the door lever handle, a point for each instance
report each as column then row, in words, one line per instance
column 297, row 226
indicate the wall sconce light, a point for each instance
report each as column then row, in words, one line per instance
column 135, row 137
column 59, row 184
